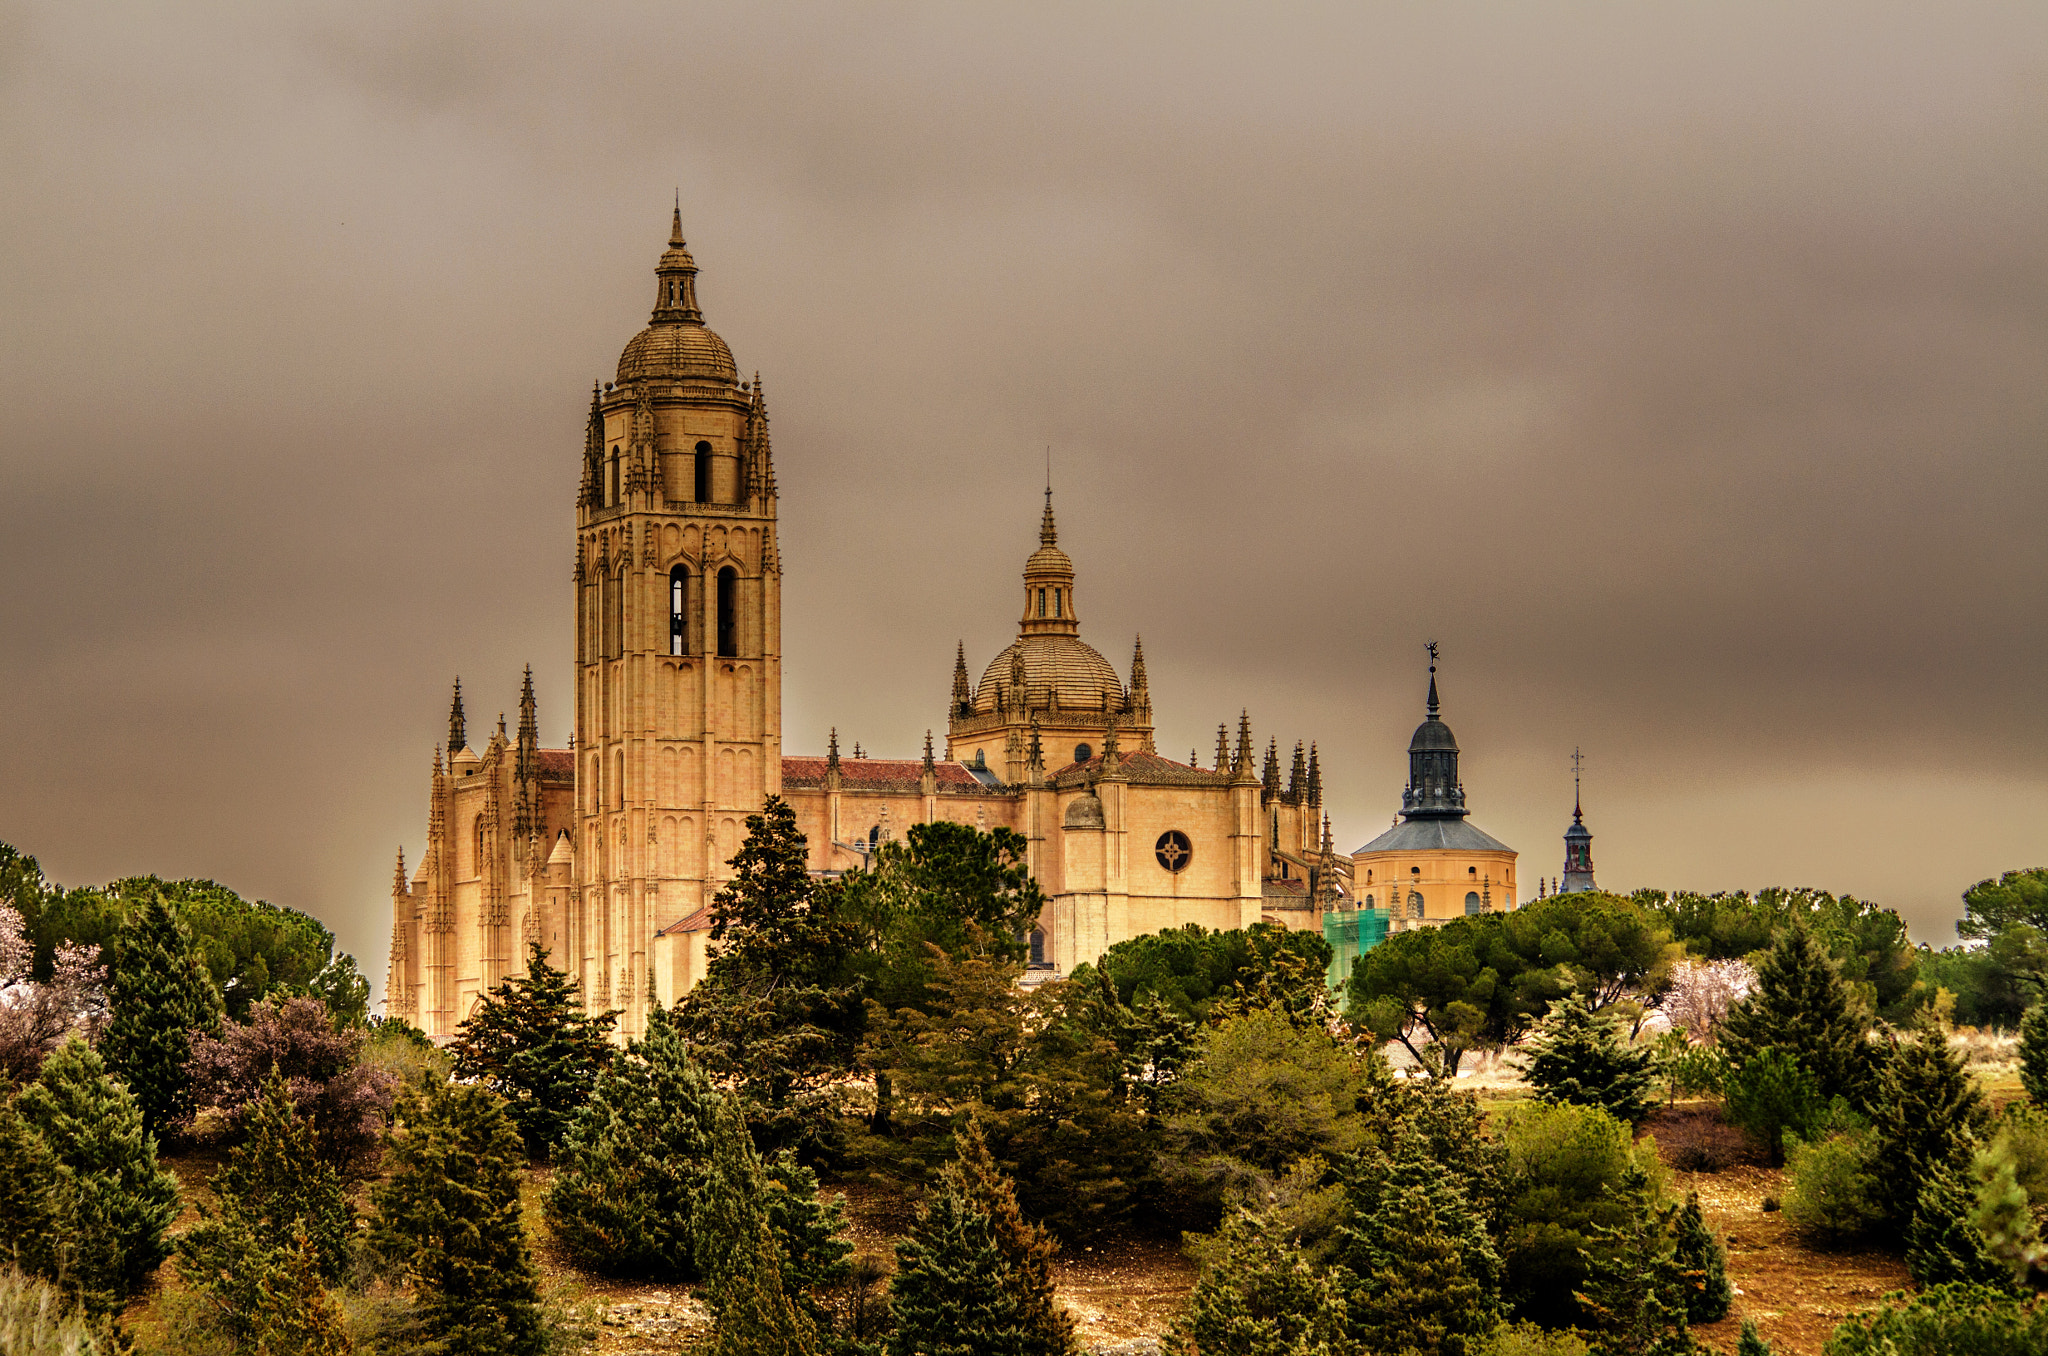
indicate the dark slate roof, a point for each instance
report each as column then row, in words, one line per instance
column 1432, row 736
column 1411, row 835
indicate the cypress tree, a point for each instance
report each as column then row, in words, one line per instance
column 1942, row 1244
column 1927, row 1114
column 1704, row 1261
column 301, row 1318
column 1636, row 1289
column 1419, row 1297
column 38, row 1201
column 1259, row 1297
column 633, row 1161
column 1751, row 1343
column 158, row 993
column 952, row 1293
column 736, row 1251
column 1802, row 1006
column 1578, row 1056
column 530, row 1042
column 2034, row 1054
column 810, row 1231
column 448, row 1217
column 1373, row 1238
column 125, row 1201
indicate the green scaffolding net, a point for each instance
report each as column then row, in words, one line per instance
column 1351, row 933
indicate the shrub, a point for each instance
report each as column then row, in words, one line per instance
column 1700, row 1255
column 1530, row 1339
column 1946, row 1320
column 1770, row 1095
column 1578, row 1056
column 1831, row 1187
column 1636, row 1288
column 1692, row 1070
column 1571, row 1171
column 35, row 1320
column 345, row 1102
column 1258, row 1296
column 2034, row 1054
column 39, row 1203
column 1942, row 1245
column 1696, row 1139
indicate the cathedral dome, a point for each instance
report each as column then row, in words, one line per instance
column 677, row 350
column 1054, row 664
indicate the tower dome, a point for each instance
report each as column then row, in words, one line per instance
column 676, row 345
column 1433, row 791
column 1055, row 666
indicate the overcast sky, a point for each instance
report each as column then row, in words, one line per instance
column 1683, row 370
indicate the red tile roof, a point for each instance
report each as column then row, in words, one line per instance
column 558, row 764
column 878, row 773
column 1146, row 769
column 700, row 921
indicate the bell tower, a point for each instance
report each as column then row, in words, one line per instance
column 678, row 640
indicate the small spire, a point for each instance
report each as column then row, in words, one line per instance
column 675, row 230
column 1315, row 779
column 857, row 754
column 927, row 750
column 1297, row 777
column 398, row 881
column 1243, row 762
column 1138, row 665
column 1433, row 705
column 437, row 760
column 1222, row 747
column 457, row 727
column 1048, row 534
column 1270, row 778
column 832, row 750
column 962, row 695
column 1578, row 817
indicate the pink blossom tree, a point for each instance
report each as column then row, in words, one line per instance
column 35, row 1018
column 1702, row 992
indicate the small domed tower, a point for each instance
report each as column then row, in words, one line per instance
column 1578, row 843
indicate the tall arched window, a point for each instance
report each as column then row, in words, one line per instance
column 678, row 609
column 477, row 857
column 619, row 780
column 615, row 477
column 728, row 612
column 614, row 615
column 1472, row 904
column 703, row 473
column 1056, row 604
column 1041, row 602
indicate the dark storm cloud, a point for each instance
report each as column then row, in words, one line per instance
column 1682, row 371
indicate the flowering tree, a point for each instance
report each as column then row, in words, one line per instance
column 35, row 1018
column 347, row 1102
column 1702, row 992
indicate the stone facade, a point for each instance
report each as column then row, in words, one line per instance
column 609, row 853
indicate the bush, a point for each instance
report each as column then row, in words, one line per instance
column 1700, row 1255
column 1771, row 1095
column 1696, row 1139
column 35, row 1321
column 1571, row 1172
column 1530, row 1339
column 1691, row 1070
column 345, row 1102
column 1831, row 1187
column 1947, row 1320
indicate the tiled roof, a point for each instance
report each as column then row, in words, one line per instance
column 557, row 765
column 1141, row 769
column 700, row 921
column 879, row 774
column 1286, row 894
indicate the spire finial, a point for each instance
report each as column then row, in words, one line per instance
column 675, row 230
column 1578, row 762
column 457, row 727
column 1047, row 533
column 1433, row 705
column 832, row 750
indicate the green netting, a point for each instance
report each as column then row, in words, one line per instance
column 1352, row 933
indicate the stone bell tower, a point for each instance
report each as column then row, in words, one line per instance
column 678, row 639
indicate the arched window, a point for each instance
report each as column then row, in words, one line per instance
column 1414, row 904
column 1056, row 604
column 614, row 615
column 477, row 858
column 728, row 612
column 678, row 609
column 615, row 476
column 619, row 780
column 1472, row 904
column 1368, row 901
column 1037, row 947
column 1041, row 602
column 703, row 473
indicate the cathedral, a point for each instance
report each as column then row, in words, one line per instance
column 609, row 853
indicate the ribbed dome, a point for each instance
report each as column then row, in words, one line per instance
column 1048, row 560
column 677, row 350
column 1067, row 665
column 1433, row 736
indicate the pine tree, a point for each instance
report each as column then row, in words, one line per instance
column 1416, row 1263
column 1704, row 1261
column 1927, row 1114
column 1751, row 1342
column 1636, row 1289
column 1578, row 1056
column 1801, row 1005
column 1942, row 1244
column 530, row 1042
column 2034, row 1054
column 448, row 1217
column 735, row 1249
column 125, row 1202
column 1027, row 1249
column 1259, row 1297
column 158, row 993
column 633, row 1161
column 811, row 1232
column 952, row 1293
column 38, row 1201
column 299, row 1317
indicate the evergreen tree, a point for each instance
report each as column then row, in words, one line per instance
column 2034, row 1053
column 301, row 1318
column 1801, row 1005
column 1704, row 1262
column 952, row 1295
column 810, row 1230
column 448, row 1218
column 778, row 1014
column 125, row 1202
column 530, row 1042
column 159, row 993
column 735, row 1249
column 38, row 1201
column 278, row 1206
column 1418, row 1267
column 1927, row 1114
column 1027, row 1249
column 1258, row 1296
column 633, row 1161
column 1942, row 1244
column 1751, row 1343
column 1636, row 1290
column 756, row 1316
column 1578, row 1056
